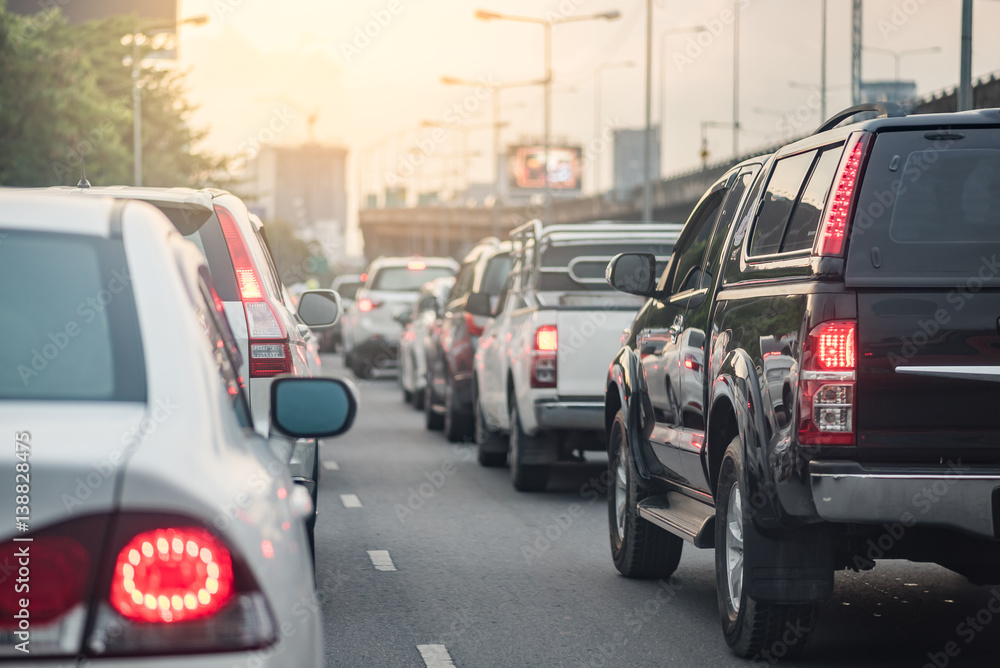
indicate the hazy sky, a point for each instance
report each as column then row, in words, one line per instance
column 260, row 67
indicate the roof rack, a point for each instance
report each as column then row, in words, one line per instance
column 884, row 109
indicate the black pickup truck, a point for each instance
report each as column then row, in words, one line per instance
column 814, row 381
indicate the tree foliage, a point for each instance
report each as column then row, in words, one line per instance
column 66, row 94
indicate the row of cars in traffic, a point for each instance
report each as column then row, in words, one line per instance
column 804, row 378
column 160, row 406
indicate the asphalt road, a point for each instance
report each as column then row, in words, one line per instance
column 502, row 578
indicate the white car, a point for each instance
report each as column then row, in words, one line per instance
column 371, row 331
column 271, row 337
column 153, row 526
column 419, row 329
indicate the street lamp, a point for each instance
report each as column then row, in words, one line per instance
column 547, row 23
column 497, row 126
column 898, row 55
column 201, row 19
column 597, row 111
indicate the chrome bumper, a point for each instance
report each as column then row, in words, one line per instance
column 577, row 415
column 962, row 498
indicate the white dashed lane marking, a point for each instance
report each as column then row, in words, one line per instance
column 350, row 500
column 381, row 560
column 436, row 656
column 331, row 466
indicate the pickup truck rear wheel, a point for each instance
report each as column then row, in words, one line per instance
column 752, row 628
column 639, row 548
column 491, row 446
column 524, row 477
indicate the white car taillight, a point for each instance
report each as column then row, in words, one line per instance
column 544, row 363
column 270, row 354
column 827, row 384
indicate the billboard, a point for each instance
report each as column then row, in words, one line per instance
column 527, row 171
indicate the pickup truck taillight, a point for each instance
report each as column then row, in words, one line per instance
column 827, row 384
column 543, row 356
column 837, row 216
column 269, row 351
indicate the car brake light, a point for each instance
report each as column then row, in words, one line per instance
column 364, row 278
column 474, row 328
column 367, row 305
column 55, row 572
column 416, row 265
column 172, row 575
column 836, row 218
column 544, row 362
column 690, row 362
column 827, row 384
column 547, row 338
column 273, row 357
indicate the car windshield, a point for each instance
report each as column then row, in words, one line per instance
column 67, row 320
column 348, row 289
column 403, row 279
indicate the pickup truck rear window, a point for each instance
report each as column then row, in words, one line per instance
column 582, row 266
column 67, row 320
column 928, row 210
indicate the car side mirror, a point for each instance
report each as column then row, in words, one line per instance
column 320, row 309
column 478, row 303
column 632, row 273
column 312, row 407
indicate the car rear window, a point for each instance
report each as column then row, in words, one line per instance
column 200, row 226
column 67, row 320
column 347, row 290
column 582, row 266
column 929, row 209
column 402, row 279
column 495, row 274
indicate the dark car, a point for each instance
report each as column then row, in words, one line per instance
column 845, row 293
column 448, row 404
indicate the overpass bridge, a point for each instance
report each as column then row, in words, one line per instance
column 441, row 230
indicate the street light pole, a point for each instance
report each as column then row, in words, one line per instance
column 965, row 70
column 647, row 185
column 736, row 78
column 822, row 74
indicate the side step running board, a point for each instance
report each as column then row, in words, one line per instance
column 681, row 515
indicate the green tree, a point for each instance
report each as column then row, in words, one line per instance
column 66, row 94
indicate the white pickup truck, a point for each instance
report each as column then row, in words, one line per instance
column 543, row 358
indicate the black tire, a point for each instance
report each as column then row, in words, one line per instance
column 750, row 627
column 639, row 548
column 457, row 426
column 491, row 445
column 524, row 477
column 418, row 398
column 432, row 420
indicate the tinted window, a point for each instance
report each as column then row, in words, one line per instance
column 582, row 266
column 690, row 252
column 805, row 219
column 222, row 345
column 402, row 279
column 68, row 324
column 200, row 226
column 463, row 282
column 495, row 274
column 779, row 198
column 714, row 258
column 348, row 289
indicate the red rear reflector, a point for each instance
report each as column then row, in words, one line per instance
column 833, row 231
column 416, row 265
column 55, row 568
column 835, row 348
column 547, row 338
column 172, row 575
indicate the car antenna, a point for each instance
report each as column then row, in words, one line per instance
column 83, row 183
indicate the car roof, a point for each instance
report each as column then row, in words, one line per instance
column 190, row 196
column 33, row 209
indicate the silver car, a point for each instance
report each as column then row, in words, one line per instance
column 420, row 327
column 152, row 521
column 370, row 329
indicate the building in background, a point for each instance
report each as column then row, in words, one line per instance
column 629, row 159
column 306, row 186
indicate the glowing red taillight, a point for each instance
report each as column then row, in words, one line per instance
column 365, row 305
column 544, row 362
column 172, row 575
column 827, row 384
column 270, row 354
column 833, row 230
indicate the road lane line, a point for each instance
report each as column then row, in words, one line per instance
column 436, row 656
column 381, row 560
column 331, row 466
column 350, row 500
